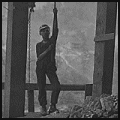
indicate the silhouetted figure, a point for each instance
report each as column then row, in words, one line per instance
column 46, row 65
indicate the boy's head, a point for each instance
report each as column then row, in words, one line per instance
column 44, row 31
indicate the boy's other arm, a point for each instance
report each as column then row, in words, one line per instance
column 43, row 54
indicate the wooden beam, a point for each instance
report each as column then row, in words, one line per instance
column 109, row 47
column 68, row 87
column 104, row 49
column 104, row 37
column 88, row 90
column 30, row 100
column 16, row 54
column 8, row 61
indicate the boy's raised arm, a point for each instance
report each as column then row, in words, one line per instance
column 55, row 23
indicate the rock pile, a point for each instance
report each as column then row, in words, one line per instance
column 105, row 106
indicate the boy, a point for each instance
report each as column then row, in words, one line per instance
column 45, row 65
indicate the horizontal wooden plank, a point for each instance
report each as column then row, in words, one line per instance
column 68, row 87
column 64, row 87
column 104, row 37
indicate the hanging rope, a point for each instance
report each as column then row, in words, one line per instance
column 29, row 39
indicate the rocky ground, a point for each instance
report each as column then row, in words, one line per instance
column 105, row 106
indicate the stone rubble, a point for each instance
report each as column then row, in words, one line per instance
column 105, row 106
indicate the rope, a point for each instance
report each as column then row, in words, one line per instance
column 29, row 45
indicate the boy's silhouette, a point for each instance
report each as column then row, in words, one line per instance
column 45, row 65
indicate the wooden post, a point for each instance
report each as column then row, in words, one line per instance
column 104, row 48
column 88, row 90
column 16, row 53
column 30, row 100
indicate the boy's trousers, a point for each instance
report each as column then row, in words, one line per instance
column 41, row 81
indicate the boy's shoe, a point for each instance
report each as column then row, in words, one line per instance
column 43, row 111
column 53, row 109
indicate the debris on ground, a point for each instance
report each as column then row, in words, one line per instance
column 105, row 106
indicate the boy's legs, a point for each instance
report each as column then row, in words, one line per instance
column 55, row 86
column 41, row 81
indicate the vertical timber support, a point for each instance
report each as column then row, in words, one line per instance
column 88, row 90
column 30, row 100
column 104, row 48
column 16, row 54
